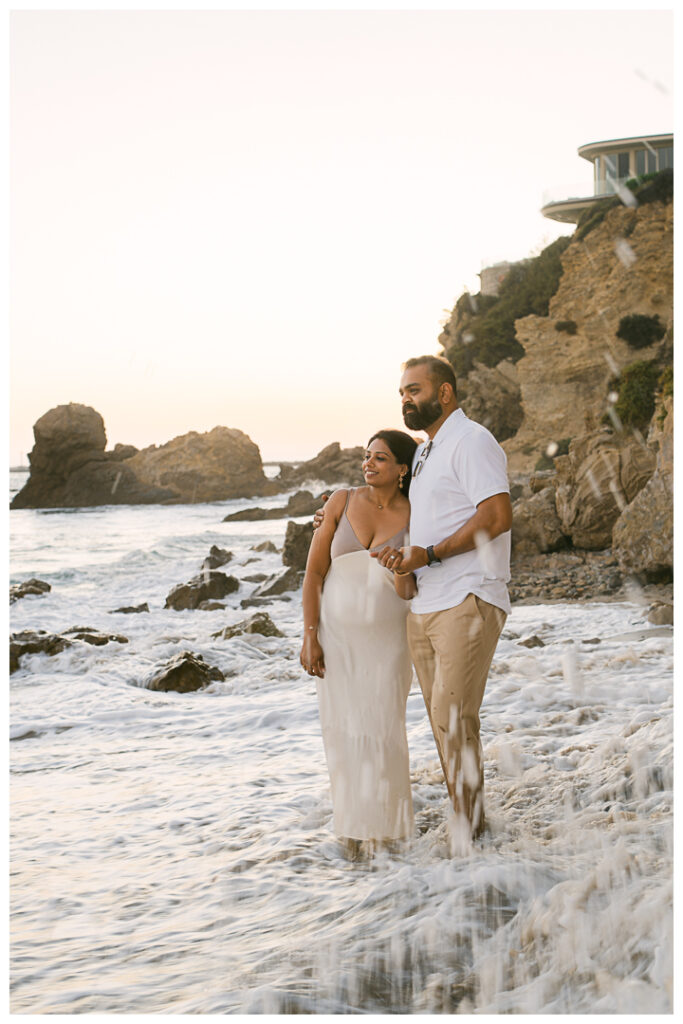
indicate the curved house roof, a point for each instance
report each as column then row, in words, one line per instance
column 614, row 161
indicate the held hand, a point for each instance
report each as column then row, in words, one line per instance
column 320, row 513
column 405, row 560
column 312, row 657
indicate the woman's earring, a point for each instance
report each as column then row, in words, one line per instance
column 400, row 480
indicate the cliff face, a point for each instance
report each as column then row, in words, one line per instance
column 623, row 266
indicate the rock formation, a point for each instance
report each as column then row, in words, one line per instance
column 209, row 585
column 642, row 538
column 70, row 467
column 32, row 586
column 38, row 641
column 260, row 623
column 184, row 673
column 297, row 542
column 332, row 465
column 602, row 473
column 491, row 396
column 215, row 466
column 303, row 503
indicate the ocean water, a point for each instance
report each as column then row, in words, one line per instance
column 173, row 853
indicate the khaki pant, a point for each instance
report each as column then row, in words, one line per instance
column 452, row 652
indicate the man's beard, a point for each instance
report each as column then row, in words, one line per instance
column 422, row 415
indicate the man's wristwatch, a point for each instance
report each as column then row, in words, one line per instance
column 431, row 557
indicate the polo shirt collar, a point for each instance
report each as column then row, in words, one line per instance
column 450, row 425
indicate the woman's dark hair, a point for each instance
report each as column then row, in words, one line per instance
column 402, row 446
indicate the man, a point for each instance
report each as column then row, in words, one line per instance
column 459, row 550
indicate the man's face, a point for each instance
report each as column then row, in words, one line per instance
column 419, row 404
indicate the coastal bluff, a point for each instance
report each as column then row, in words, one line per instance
column 70, row 467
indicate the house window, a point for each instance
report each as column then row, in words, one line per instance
column 623, row 165
column 665, row 157
column 646, row 161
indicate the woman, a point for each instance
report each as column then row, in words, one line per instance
column 355, row 643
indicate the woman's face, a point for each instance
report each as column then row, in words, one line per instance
column 379, row 464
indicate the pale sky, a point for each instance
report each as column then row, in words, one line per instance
column 253, row 218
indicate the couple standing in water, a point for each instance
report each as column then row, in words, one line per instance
column 430, row 527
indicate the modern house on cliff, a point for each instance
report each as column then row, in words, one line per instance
column 614, row 163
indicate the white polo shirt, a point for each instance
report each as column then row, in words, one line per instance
column 465, row 466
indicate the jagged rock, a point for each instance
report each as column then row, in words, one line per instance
column 491, row 396
column 642, row 538
column 536, row 525
column 290, row 579
column 259, row 623
column 258, row 577
column 207, row 585
column 32, row 586
column 216, row 557
column 297, row 542
column 303, row 503
column 564, row 378
column 259, row 602
column 70, row 468
column 120, row 452
column 661, row 614
column 265, row 547
column 184, row 673
column 210, row 606
column 34, row 641
column 539, row 481
column 89, row 635
column 131, row 609
column 332, row 465
column 595, row 481
column 532, row 641
column 220, row 464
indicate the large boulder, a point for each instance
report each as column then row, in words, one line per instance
column 642, row 538
column 297, row 542
column 332, row 465
column 220, row 464
column 184, row 673
column 536, row 525
column 595, row 481
column 70, row 468
column 209, row 585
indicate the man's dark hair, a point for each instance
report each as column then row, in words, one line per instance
column 402, row 446
column 440, row 370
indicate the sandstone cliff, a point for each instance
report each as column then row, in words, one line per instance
column 556, row 408
column 623, row 266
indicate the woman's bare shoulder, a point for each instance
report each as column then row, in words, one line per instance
column 337, row 501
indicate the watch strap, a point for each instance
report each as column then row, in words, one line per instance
column 431, row 557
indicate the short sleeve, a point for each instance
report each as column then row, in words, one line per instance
column 481, row 465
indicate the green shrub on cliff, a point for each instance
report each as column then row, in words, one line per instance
column 640, row 331
column 527, row 289
column 636, row 386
